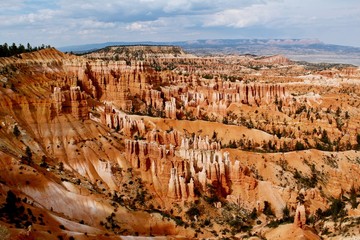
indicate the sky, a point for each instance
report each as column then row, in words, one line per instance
column 75, row 22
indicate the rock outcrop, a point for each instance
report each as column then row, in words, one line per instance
column 71, row 101
column 300, row 216
column 138, row 53
column 170, row 109
column 180, row 166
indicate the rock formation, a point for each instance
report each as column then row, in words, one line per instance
column 161, row 140
column 170, row 108
column 300, row 216
column 71, row 101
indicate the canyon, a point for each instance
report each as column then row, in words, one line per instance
column 154, row 142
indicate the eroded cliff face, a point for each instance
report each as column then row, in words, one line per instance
column 121, row 146
column 138, row 88
column 71, row 101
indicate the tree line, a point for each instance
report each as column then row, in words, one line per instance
column 13, row 49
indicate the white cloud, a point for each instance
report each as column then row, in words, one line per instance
column 90, row 23
column 137, row 26
column 118, row 20
column 87, row 32
column 11, row 4
column 256, row 14
column 40, row 16
column 149, row 26
column 26, row 19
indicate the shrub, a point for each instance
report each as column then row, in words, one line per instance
column 267, row 209
column 337, row 208
column 299, row 146
column 61, row 166
column 253, row 214
column 273, row 224
column 212, row 196
column 193, row 211
column 325, row 138
column 307, row 182
column 178, row 220
column 208, row 76
column 4, row 232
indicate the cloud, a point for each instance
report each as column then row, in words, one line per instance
column 239, row 18
column 90, row 23
column 28, row 19
column 10, row 5
column 138, row 26
column 114, row 20
column 40, row 16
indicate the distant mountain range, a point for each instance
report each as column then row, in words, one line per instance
column 311, row 50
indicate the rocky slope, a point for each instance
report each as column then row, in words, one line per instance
column 169, row 144
column 140, row 52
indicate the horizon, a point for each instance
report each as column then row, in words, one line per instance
column 176, row 43
column 173, row 43
column 70, row 23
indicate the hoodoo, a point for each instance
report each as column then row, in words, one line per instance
column 151, row 141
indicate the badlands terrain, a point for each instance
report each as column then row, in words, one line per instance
column 149, row 141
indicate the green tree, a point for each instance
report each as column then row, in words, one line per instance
column 13, row 49
column 299, row 146
column 325, row 138
column 28, row 153
column 61, row 166
column 28, row 47
column 338, row 112
column 21, row 48
column 337, row 208
column 4, row 50
column 10, row 205
column 12, row 87
column 16, row 131
column 214, row 136
column 253, row 214
column 193, row 211
column 43, row 162
column 267, row 209
column 7, row 51
column 286, row 213
column 301, row 198
column 353, row 196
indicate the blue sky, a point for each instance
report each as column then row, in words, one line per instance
column 75, row 22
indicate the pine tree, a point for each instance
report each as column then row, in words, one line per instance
column 28, row 153
column 353, row 196
column 10, row 205
column 16, row 131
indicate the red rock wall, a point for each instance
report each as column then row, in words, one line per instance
column 71, row 101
